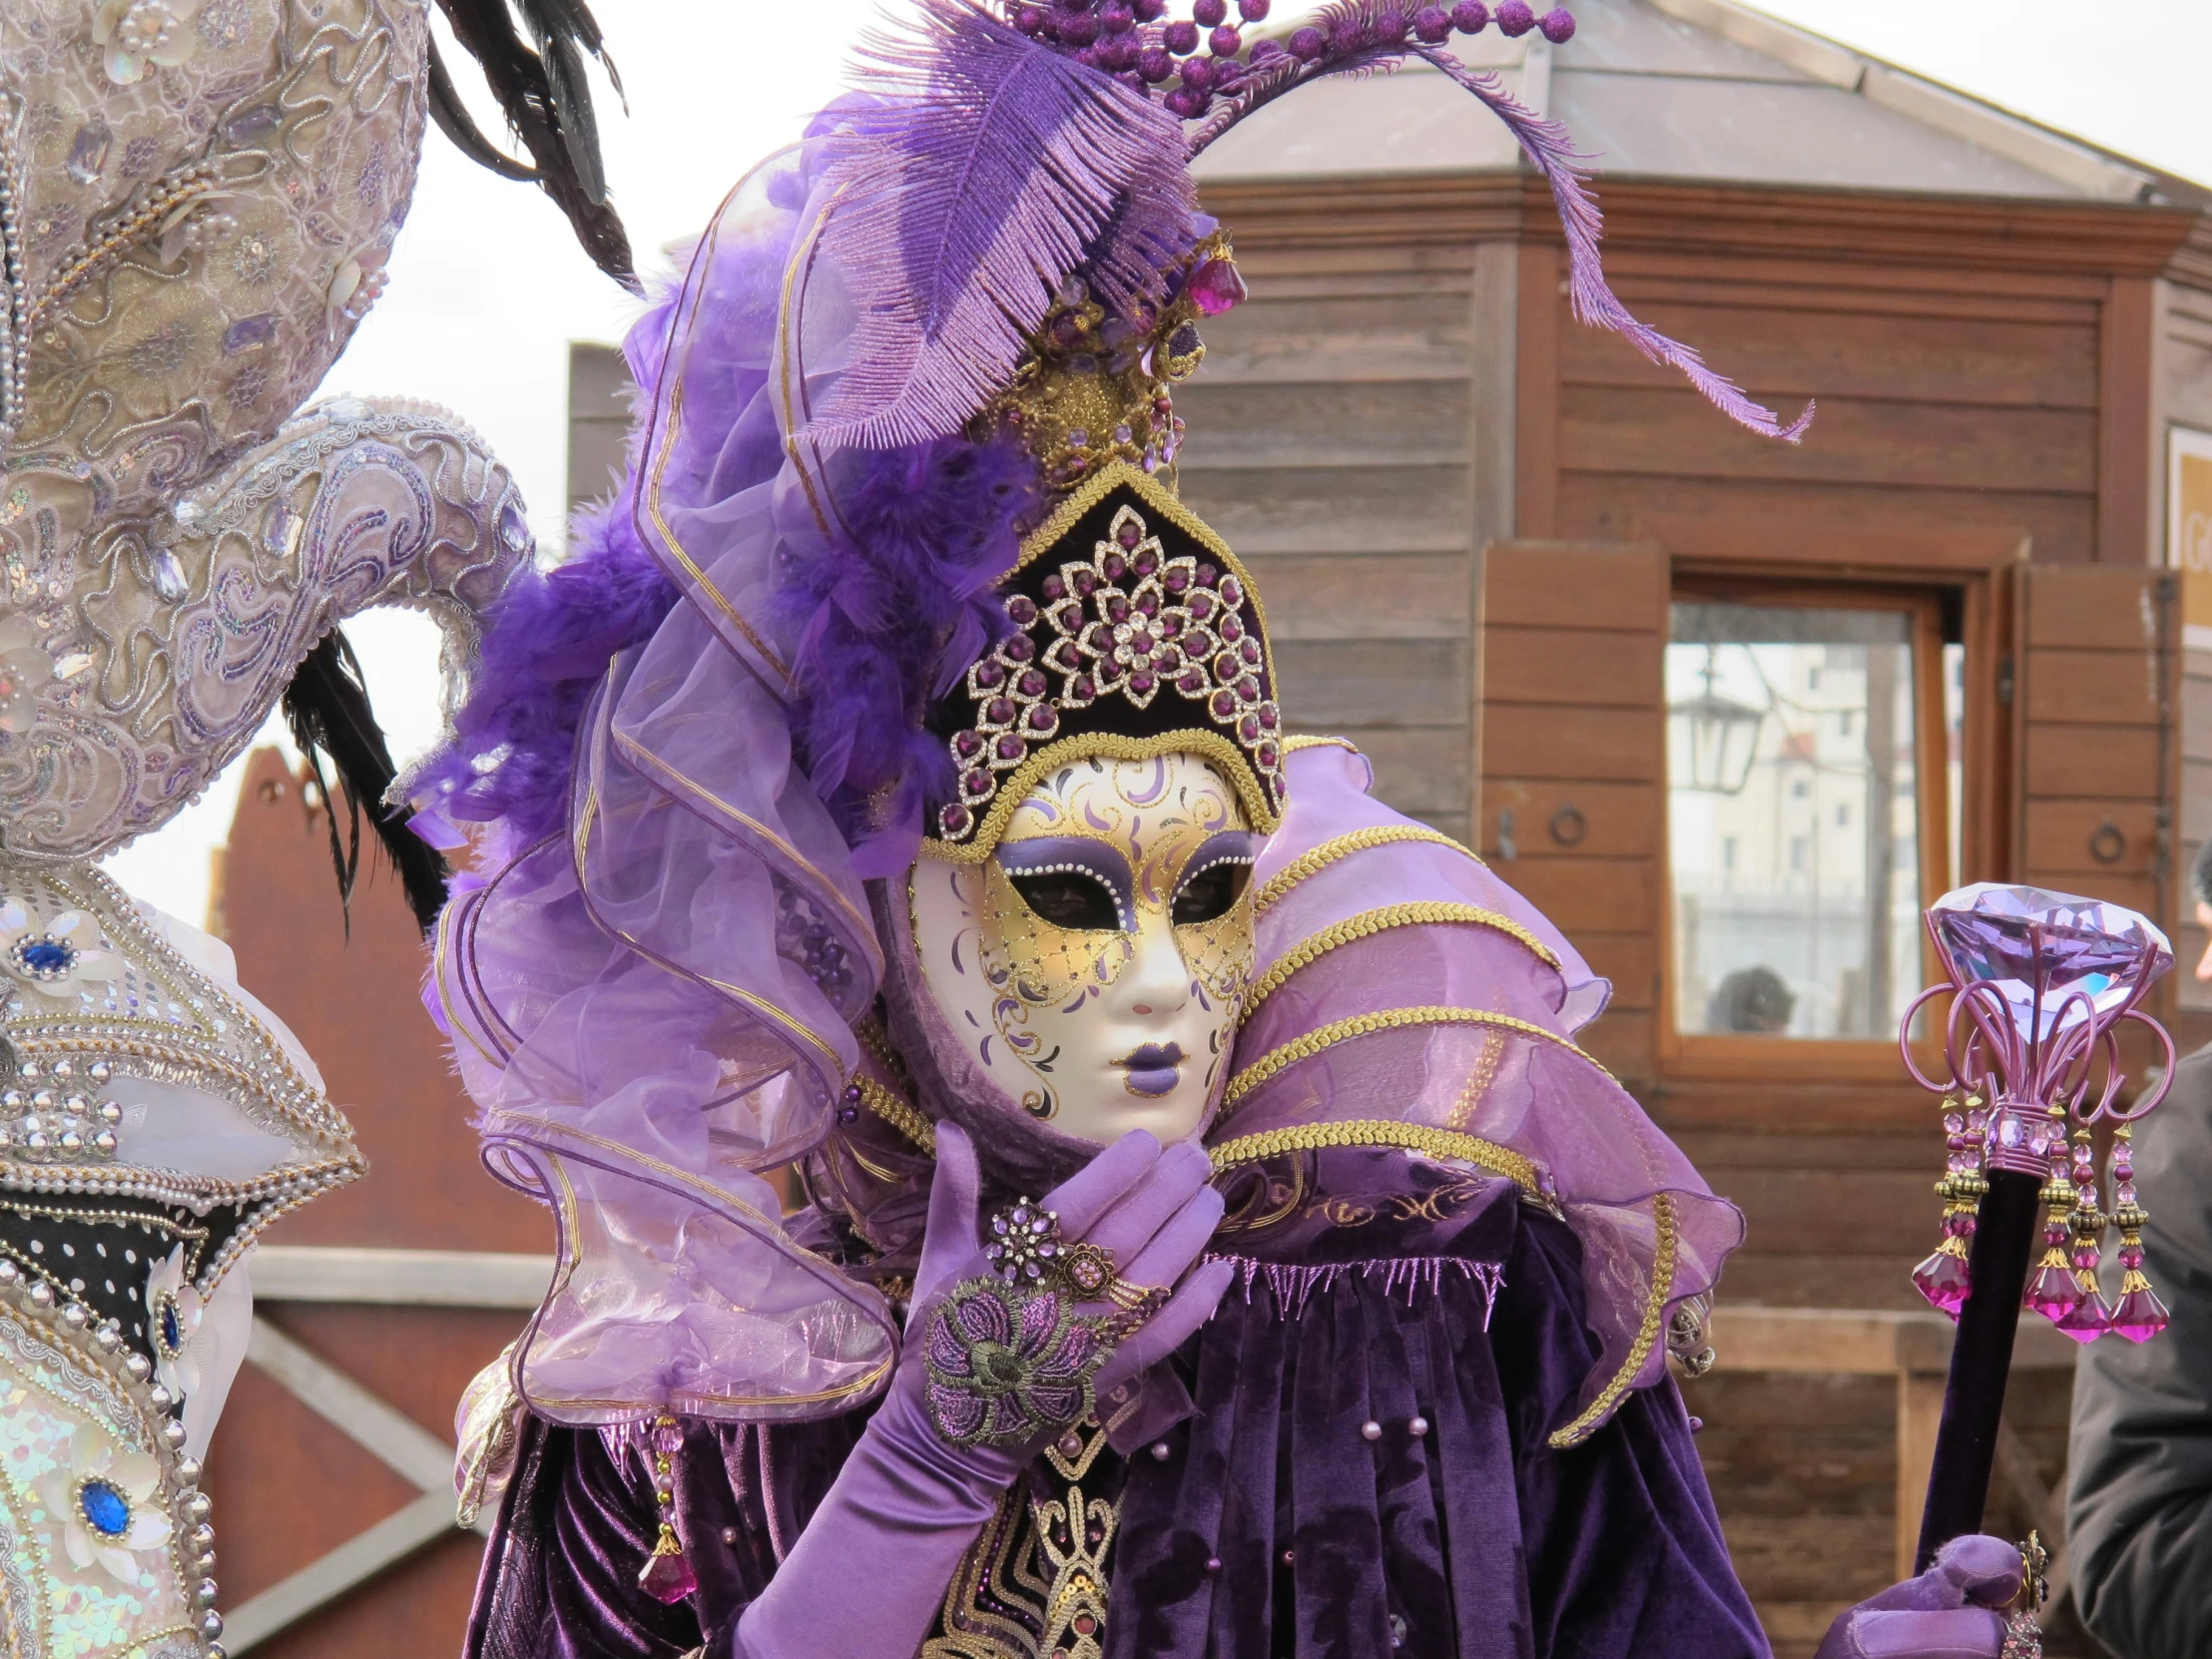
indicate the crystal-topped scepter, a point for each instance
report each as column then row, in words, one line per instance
column 2040, row 986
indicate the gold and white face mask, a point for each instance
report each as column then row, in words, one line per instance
column 1096, row 963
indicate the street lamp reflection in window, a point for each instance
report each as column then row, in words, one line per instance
column 1795, row 818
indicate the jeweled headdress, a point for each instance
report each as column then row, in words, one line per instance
column 898, row 530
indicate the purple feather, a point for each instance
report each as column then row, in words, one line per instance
column 1359, row 42
column 886, row 621
column 1548, row 144
column 995, row 171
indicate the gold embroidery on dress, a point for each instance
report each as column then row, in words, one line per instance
column 1035, row 1583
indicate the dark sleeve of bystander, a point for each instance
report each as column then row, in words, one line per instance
column 2139, row 1505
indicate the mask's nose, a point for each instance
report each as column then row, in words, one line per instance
column 1157, row 981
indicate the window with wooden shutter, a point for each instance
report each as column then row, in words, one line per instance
column 1568, row 807
column 2098, row 763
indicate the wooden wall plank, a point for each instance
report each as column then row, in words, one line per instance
column 1604, row 504
column 1342, row 423
column 1614, row 820
column 2126, row 461
column 1420, row 769
column 1328, row 596
column 2100, row 762
column 1571, row 692
column 1565, row 585
column 1336, row 337
column 2093, row 688
column 1371, row 682
column 2081, row 609
column 1532, row 741
column 1861, row 441
column 1341, row 510
column 1852, row 353
column 1574, row 666
column 1629, row 960
column 1587, row 894
column 1536, row 393
column 2100, row 839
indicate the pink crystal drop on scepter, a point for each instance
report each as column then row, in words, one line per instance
column 2138, row 1315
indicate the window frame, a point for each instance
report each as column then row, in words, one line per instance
column 1739, row 1057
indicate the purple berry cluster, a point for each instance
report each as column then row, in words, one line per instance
column 1139, row 43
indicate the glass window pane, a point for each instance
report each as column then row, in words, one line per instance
column 1793, row 817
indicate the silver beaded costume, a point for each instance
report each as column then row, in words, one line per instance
column 196, row 201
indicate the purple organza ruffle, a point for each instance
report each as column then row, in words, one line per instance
column 1515, row 1080
column 655, row 1007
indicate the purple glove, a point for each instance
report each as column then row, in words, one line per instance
column 1948, row 1612
column 866, row 1577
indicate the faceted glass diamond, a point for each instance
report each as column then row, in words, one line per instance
column 2044, row 952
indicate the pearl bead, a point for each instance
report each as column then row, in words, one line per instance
column 1213, row 1564
column 1288, row 1557
column 1160, row 1453
column 1371, row 1430
column 1418, row 1427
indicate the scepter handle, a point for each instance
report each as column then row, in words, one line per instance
column 1980, row 1362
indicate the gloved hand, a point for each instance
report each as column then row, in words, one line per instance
column 1948, row 1612
column 869, row 1572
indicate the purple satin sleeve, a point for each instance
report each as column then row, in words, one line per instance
column 560, row 1576
column 1624, row 1551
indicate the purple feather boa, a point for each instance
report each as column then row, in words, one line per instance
column 885, row 622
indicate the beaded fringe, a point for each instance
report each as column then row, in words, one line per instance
column 1294, row 1284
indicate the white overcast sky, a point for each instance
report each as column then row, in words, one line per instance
column 487, row 289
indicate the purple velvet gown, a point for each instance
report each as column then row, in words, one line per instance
column 1272, row 1524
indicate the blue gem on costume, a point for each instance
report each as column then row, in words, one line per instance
column 106, row 1511
column 43, row 956
column 171, row 1331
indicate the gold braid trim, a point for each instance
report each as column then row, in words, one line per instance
column 1315, row 859
column 1647, row 1333
column 895, row 1112
column 1430, row 1142
column 1369, row 923
column 1360, row 1025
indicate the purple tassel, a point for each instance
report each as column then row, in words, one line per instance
column 994, row 169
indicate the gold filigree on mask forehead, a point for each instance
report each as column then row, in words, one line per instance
column 1138, row 808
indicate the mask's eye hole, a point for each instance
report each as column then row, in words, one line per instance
column 1068, row 899
column 1208, row 895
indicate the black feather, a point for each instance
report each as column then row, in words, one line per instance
column 454, row 121
column 326, row 705
column 547, row 103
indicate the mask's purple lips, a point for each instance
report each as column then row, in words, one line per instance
column 1152, row 1069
